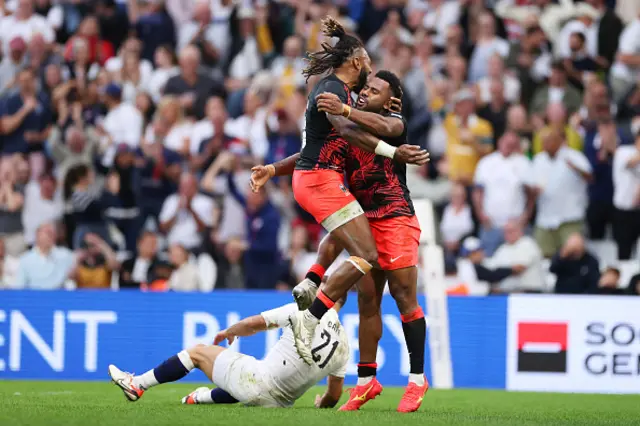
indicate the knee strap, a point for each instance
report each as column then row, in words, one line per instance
column 360, row 264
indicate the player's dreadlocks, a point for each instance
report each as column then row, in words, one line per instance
column 331, row 57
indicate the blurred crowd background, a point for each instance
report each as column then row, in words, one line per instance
column 128, row 128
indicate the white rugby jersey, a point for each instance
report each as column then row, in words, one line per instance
column 289, row 376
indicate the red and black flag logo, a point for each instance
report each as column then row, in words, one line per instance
column 542, row 347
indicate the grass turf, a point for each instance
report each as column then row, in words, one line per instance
column 74, row 403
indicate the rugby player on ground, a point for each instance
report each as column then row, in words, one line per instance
column 276, row 381
column 379, row 185
column 318, row 177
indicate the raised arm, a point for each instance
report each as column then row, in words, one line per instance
column 246, row 327
column 390, row 126
column 362, row 139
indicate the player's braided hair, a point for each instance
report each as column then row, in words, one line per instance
column 331, row 57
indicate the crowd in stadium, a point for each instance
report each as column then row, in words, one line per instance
column 128, row 130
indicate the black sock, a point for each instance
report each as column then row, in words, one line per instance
column 367, row 369
column 321, row 304
column 171, row 370
column 317, row 279
column 221, row 396
column 415, row 336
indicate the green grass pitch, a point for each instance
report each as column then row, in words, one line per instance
column 92, row 404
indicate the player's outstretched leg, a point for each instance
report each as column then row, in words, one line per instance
column 204, row 395
column 370, row 291
column 355, row 236
column 403, row 288
column 173, row 369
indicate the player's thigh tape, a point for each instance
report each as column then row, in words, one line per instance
column 360, row 264
column 342, row 216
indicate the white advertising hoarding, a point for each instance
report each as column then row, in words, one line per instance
column 573, row 344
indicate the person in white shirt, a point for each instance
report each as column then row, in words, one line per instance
column 496, row 70
column 166, row 67
column 586, row 23
column 211, row 36
column 626, row 68
column 122, row 124
column 8, row 267
column 626, row 197
column 185, row 215
column 278, row 380
column 24, row 23
column 252, row 126
column 503, row 191
column 519, row 249
column 457, row 220
column 42, row 204
column 487, row 45
column 561, row 175
column 440, row 16
column 185, row 276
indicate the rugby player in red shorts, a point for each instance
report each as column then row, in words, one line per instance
column 318, row 184
column 379, row 184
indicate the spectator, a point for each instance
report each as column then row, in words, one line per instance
column 178, row 138
column 26, row 117
column 166, row 67
column 72, row 147
column 12, row 63
column 251, row 127
column 473, row 266
column 98, row 49
column 487, row 45
column 233, row 274
column 192, row 87
column 112, row 21
column 585, row 25
column 186, row 214
column 561, row 175
column 122, row 124
column 159, row 171
column 42, row 204
column 261, row 258
column 208, row 136
column 518, row 123
column 519, row 249
column 208, row 35
column 440, row 16
column 96, row 262
column 80, row 66
column 469, row 138
column 40, row 55
column 153, row 25
column 609, row 282
column 634, row 285
column 139, row 269
column 556, row 119
column 287, row 69
column 601, row 144
column 626, row 68
column 132, row 46
column 609, row 29
column 185, row 276
column 24, row 23
column 8, row 267
column 549, row 14
column 131, row 77
column 496, row 71
column 626, row 197
column 580, row 66
column 576, row 270
column 503, row 192
column 11, row 206
column 495, row 112
column 457, row 221
column 88, row 202
column 46, row 266
column 123, row 209
column 558, row 90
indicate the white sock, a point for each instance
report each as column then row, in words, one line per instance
column 145, row 381
column 364, row 380
column 418, row 379
column 204, row 397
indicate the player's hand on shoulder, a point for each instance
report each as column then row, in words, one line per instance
column 411, row 154
column 222, row 336
column 395, row 105
column 329, row 103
